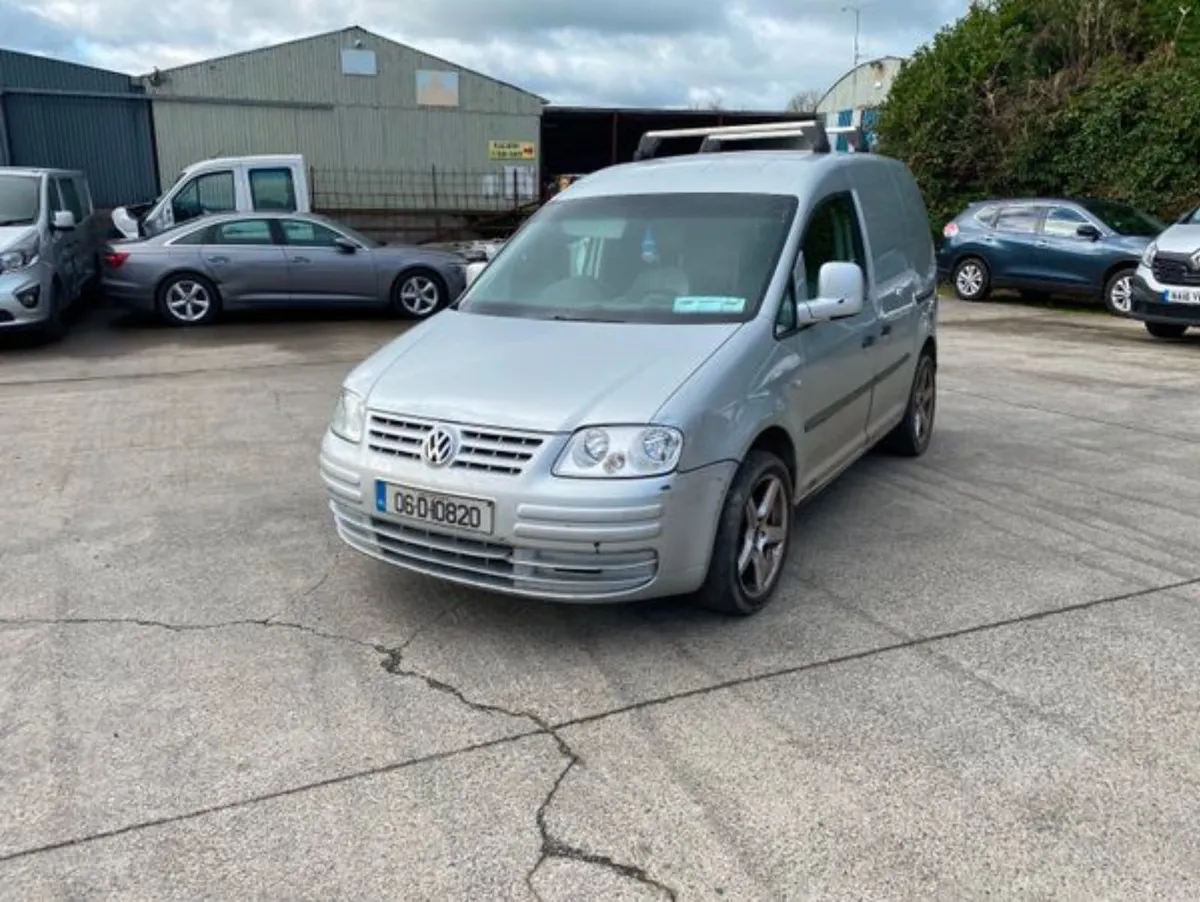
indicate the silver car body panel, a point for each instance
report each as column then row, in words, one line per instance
column 830, row 391
column 70, row 256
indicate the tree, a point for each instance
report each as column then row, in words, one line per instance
column 805, row 101
column 1053, row 97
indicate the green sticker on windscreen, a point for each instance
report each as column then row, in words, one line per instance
column 708, row 304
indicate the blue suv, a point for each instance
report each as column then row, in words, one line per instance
column 1046, row 246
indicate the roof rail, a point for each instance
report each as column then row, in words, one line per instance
column 809, row 135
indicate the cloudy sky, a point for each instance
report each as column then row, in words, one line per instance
column 750, row 54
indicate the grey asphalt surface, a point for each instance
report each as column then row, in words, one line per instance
column 980, row 678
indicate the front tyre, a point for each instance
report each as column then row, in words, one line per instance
column 1118, row 292
column 751, row 544
column 419, row 294
column 912, row 435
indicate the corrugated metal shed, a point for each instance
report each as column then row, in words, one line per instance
column 376, row 128
column 64, row 115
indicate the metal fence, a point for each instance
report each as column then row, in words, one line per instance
column 424, row 191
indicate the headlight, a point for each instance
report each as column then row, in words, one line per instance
column 1148, row 253
column 620, row 452
column 18, row 258
column 349, row 417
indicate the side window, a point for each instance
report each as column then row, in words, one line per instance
column 1063, row 222
column 301, row 233
column 1021, row 220
column 53, row 198
column 85, row 196
column 209, row 193
column 70, row 197
column 272, row 189
column 196, row 236
column 833, row 234
column 243, row 232
column 987, row 216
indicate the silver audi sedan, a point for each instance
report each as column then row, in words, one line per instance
column 189, row 274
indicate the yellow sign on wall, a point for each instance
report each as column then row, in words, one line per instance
column 512, row 150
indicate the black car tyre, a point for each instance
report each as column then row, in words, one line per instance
column 1118, row 292
column 419, row 294
column 1166, row 330
column 912, row 434
column 971, row 279
column 188, row 299
column 750, row 549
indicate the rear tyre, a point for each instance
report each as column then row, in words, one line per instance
column 1166, row 330
column 1118, row 292
column 419, row 294
column 971, row 279
column 188, row 299
column 912, row 435
column 750, row 549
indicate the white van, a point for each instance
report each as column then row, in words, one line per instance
column 222, row 185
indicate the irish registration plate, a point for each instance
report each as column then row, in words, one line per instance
column 1181, row 296
column 433, row 509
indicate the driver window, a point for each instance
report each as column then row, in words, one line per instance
column 833, row 235
column 209, row 193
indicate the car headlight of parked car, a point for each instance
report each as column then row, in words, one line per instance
column 620, row 452
column 19, row 257
column 1148, row 254
column 349, row 417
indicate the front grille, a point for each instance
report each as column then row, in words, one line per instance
column 1170, row 271
column 495, row 565
column 482, row 449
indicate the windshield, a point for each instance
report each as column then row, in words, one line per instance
column 20, row 199
column 1123, row 219
column 645, row 258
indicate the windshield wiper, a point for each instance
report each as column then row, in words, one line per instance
column 20, row 220
column 582, row 319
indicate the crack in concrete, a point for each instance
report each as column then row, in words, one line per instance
column 551, row 847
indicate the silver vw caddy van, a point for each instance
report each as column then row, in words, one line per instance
column 632, row 397
column 49, row 250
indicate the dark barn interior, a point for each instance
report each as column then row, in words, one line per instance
column 579, row 140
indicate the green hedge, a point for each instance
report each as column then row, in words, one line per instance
column 1053, row 97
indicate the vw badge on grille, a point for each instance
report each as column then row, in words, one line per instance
column 1196, row 260
column 439, row 447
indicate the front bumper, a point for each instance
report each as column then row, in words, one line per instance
column 577, row 540
column 24, row 300
column 1147, row 304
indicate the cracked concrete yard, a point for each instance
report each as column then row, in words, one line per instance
column 979, row 678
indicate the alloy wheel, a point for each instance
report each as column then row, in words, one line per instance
column 763, row 536
column 969, row 280
column 188, row 301
column 924, row 403
column 1120, row 296
column 420, row 295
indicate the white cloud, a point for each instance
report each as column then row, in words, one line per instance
column 748, row 53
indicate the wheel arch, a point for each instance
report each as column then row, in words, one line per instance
column 1114, row 268
column 184, row 271
column 776, row 440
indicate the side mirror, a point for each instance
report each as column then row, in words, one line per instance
column 345, row 245
column 63, row 221
column 1088, row 231
column 840, row 292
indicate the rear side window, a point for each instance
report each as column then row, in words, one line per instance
column 272, row 189
column 243, row 231
column 85, row 195
column 987, row 215
column 198, row 236
column 1022, row 220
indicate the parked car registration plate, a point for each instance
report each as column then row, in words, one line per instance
column 1181, row 296
column 432, row 509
